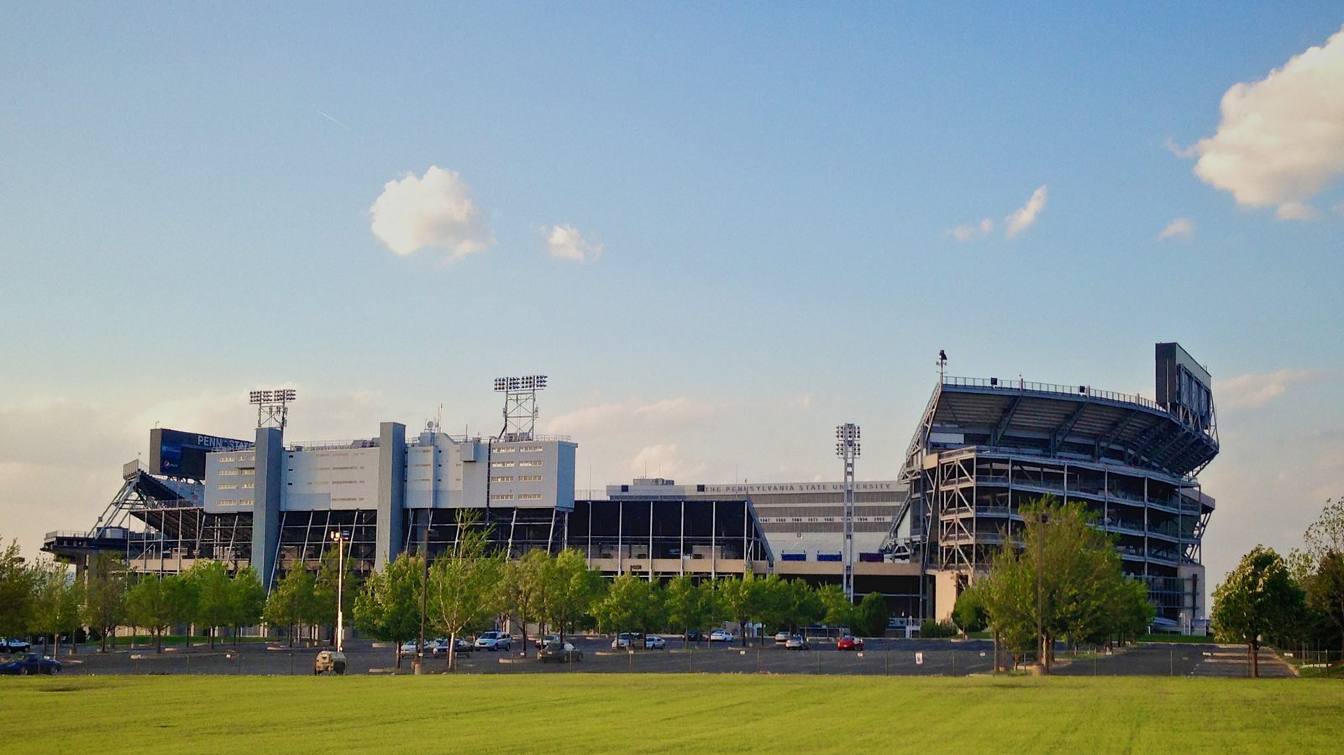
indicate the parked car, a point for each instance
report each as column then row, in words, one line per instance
column 654, row 642
column 624, row 641
column 30, row 664
column 559, row 652
column 796, row 642
column 329, row 661
column 494, row 641
column 721, row 635
column 849, row 642
column 542, row 642
column 694, row 635
column 463, row 646
column 437, row 647
column 13, row 645
column 781, row 637
column 410, row 648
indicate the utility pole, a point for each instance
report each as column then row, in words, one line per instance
column 339, row 537
column 424, row 591
column 847, row 448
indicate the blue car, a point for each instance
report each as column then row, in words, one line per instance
column 30, row 664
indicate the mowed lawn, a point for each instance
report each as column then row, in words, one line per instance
column 668, row 713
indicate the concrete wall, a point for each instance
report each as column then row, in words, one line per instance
column 270, row 480
column 391, row 492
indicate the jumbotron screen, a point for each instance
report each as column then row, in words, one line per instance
column 177, row 453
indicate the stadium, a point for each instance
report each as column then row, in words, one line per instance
column 981, row 449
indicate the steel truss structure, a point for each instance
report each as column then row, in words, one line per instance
column 985, row 447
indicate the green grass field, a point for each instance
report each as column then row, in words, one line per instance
column 667, row 713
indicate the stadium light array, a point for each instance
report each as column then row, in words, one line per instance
column 523, row 383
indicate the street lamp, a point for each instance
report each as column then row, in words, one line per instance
column 339, row 538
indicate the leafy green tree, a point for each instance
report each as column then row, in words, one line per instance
column 742, row 600
column 56, row 604
column 1258, row 602
column 632, row 604
column 180, row 592
column 388, row 606
column 872, row 615
column 247, row 600
column 525, row 587
column 686, row 604
column 211, row 587
column 290, row 603
column 1131, row 612
column 147, row 606
column 969, row 612
column 571, row 590
column 465, row 584
column 1319, row 567
column 802, row 605
column 17, row 583
column 105, row 595
column 838, row 611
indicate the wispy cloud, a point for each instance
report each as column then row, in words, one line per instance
column 1180, row 228
column 333, row 119
column 565, row 242
column 1256, row 389
column 972, row 231
column 1025, row 216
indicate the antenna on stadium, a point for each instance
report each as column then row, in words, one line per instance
column 520, row 405
column 847, row 448
column 272, row 406
column 942, row 364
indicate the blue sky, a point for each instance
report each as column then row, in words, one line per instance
column 185, row 194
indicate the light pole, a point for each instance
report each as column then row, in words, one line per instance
column 339, row 537
column 847, row 448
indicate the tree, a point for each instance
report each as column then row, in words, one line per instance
column 1319, row 567
column 464, row 584
column 571, row 590
column 180, row 592
column 969, row 612
column 872, row 615
column 802, row 606
column 247, row 600
column 211, row 588
column 1062, row 583
column 56, row 604
column 525, row 587
column 290, row 603
column 16, row 592
column 147, row 606
column 388, row 606
column 741, row 600
column 838, row 610
column 1257, row 602
column 105, row 595
column 1131, row 610
column 632, row 604
column 686, row 604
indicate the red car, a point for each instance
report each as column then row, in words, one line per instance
column 849, row 643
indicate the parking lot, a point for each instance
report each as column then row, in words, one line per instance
column 880, row 657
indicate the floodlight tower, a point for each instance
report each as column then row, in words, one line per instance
column 520, row 405
column 272, row 406
column 847, row 448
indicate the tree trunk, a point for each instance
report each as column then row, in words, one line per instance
column 396, row 649
column 158, row 639
column 522, row 617
column 1255, row 660
column 452, row 650
column 998, row 661
column 103, row 642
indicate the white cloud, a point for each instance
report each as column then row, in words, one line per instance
column 433, row 211
column 1256, row 389
column 565, row 242
column 599, row 417
column 1296, row 211
column 1180, row 228
column 972, row 231
column 663, row 460
column 1024, row 217
column 1281, row 139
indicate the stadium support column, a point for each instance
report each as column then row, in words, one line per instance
column 391, row 492
column 268, row 485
